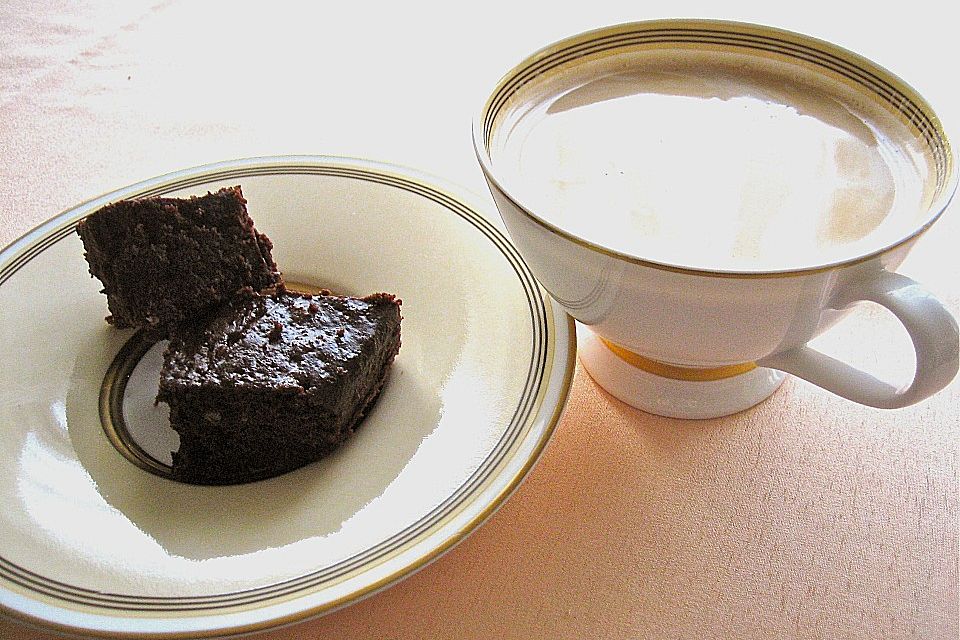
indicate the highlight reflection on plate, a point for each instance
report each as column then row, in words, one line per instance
column 91, row 542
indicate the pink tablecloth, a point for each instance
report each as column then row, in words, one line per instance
column 807, row 516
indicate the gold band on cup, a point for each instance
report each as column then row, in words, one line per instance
column 687, row 374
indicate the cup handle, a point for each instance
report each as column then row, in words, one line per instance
column 931, row 327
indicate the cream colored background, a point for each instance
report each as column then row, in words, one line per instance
column 806, row 517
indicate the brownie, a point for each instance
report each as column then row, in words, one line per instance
column 272, row 382
column 164, row 261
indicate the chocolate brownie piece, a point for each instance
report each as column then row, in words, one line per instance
column 163, row 261
column 272, row 382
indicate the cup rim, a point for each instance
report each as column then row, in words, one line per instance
column 934, row 210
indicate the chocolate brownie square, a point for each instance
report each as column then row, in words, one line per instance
column 272, row 382
column 164, row 261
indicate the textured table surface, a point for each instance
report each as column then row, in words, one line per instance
column 806, row 517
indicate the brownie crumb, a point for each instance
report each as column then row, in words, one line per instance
column 276, row 332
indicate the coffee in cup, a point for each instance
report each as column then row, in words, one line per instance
column 735, row 163
column 709, row 196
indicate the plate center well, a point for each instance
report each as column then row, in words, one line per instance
column 137, row 425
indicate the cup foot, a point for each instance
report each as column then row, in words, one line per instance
column 665, row 394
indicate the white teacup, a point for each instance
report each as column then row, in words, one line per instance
column 707, row 197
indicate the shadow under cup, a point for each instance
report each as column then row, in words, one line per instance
column 698, row 321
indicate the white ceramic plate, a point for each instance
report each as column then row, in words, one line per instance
column 92, row 543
